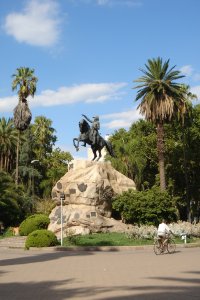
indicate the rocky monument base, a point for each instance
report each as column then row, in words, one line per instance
column 88, row 188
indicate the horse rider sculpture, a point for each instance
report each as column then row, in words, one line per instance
column 94, row 129
column 90, row 135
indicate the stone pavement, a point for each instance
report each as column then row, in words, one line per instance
column 121, row 275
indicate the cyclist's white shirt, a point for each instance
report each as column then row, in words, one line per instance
column 163, row 229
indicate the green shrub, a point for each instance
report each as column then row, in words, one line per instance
column 33, row 223
column 146, row 207
column 8, row 232
column 41, row 238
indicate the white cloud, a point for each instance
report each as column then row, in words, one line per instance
column 122, row 119
column 196, row 90
column 187, row 70
column 90, row 92
column 7, row 104
column 110, row 3
column 102, row 2
column 38, row 23
column 87, row 93
column 118, row 2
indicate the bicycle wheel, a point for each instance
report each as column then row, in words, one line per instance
column 157, row 248
column 171, row 246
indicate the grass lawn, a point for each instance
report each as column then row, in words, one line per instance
column 110, row 239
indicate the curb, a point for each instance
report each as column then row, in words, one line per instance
column 105, row 248
column 93, row 248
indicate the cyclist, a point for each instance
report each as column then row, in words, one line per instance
column 163, row 232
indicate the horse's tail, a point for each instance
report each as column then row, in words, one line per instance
column 109, row 148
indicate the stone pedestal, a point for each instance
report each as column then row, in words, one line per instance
column 89, row 188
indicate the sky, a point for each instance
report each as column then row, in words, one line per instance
column 87, row 53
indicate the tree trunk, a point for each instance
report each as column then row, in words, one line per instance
column 160, row 150
column 17, row 160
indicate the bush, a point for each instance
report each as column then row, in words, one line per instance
column 187, row 228
column 8, row 232
column 41, row 238
column 148, row 232
column 142, row 232
column 146, row 207
column 33, row 223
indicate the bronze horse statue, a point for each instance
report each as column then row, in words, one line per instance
column 86, row 136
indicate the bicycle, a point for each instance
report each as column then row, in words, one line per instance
column 168, row 245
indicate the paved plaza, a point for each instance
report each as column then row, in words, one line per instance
column 127, row 274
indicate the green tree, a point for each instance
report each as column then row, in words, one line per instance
column 11, row 201
column 29, row 168
column 135, row 153
column 25, row 81
column 161, row 99
column 56, row 166
column 45, row 137
column 8, row 142
column 182, row 163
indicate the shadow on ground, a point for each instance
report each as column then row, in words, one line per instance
column 32, row 257
column 58, row 291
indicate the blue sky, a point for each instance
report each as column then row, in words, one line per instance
column 86, row 54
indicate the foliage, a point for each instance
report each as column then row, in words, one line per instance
column 35, row 176
column 161, row 96
column 142, row 232
column 103, row 239
column 136, row 158
column 145, row 207
column 186, row 227
column 25, row 80
column 41, row 166
column 138, row 236
column 183, row 163
column 162, row 99
column 8, row 142
column 136, row 155
column 8, row 232
column 56, row 165
column 45, row 137
column 45, row 206
column 11, row 201
column 178, row 228
column 41, row 238
column 32, row 223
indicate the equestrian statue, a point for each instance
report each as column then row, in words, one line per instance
column 90, row 135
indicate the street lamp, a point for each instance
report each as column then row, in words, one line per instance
column 62, row 198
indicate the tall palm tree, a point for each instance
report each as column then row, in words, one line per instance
column 161, row 99
column 8, row 142
column 44, row 136
column 25, row 81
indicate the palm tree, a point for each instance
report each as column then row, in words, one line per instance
column 25, row 81
column 161, row 99
column 44, row 136
column 8, row 142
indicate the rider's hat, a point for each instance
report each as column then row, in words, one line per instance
column 96, row 117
